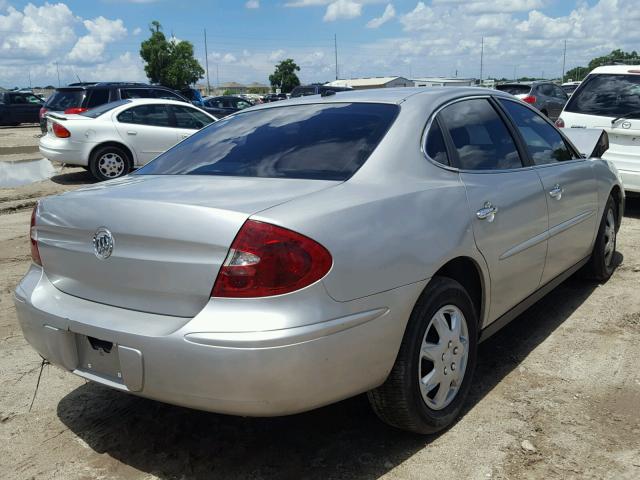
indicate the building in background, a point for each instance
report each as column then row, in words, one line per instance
column 443, row 82
column 234, row 88
column 372, row 82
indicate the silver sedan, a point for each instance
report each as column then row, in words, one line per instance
column 299, row 253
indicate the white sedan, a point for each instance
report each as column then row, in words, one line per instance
column 112, row 139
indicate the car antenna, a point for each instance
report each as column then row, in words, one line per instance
column 327, row 93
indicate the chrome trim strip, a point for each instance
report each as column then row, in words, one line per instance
column 561, row 227
column 533, row 241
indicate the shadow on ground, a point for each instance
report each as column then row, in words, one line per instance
column 77, row 176
column 344, row 440
column 632, row 206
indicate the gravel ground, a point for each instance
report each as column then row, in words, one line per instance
column 556, row 395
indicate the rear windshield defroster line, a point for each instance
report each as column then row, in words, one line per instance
column 312, row 141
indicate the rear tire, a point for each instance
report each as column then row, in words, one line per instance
column 109, row 162
column 601, row 264
column 439, row 348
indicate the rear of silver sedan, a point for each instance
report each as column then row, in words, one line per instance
column 165, row 285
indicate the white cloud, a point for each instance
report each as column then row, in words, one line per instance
column 136, row 31
column 342, row 9
column 90, row 48
column 252, row 4
column 388, row 14
column 306, row 3
column 277, row 55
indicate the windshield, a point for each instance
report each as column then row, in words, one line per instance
column 514, row 89
column 323, row 142
column 63, row 99
column 97, row 111
column 607, row 95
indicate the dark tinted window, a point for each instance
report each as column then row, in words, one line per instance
column 166, row 94
column 153, row 115
column 326, row 142
column 61, row 100
column 303, row 91
column 608, row 95
column 480, row 137
column 97, row 111
column 545, row 89
column 136, row 93
column 97, row 97
column 190, row 118
column 543, row 141
column 514, row 89
column 242, row 104
column 559, row 93
column 435, row 147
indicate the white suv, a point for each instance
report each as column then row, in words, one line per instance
column 609, row 98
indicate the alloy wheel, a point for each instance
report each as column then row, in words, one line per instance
column 111, row 165
column 609, row 237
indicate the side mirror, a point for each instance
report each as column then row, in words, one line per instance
column 590, row 142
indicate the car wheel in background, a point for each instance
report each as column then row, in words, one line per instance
column 601, row 265
column 430, row 379
column 109, row 162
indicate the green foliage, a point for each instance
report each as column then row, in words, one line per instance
column 616, row 56
column 169, row 63
column 229, row 92
column 257, row 90
column 284, row 76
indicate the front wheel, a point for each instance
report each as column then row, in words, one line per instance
column 431, row 377
column 109, row 162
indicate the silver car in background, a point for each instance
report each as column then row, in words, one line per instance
column 306, row 251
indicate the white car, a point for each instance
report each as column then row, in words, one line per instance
column 116, row 137
column 609, row 98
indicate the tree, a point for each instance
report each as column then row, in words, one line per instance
column 284, row 76
column 616, row 56
column 169, row 62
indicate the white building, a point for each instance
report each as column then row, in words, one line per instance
column 443, row 82
column 372, row 82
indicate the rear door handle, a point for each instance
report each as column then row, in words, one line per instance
column 487, row 212
column 131, row 132
column 556, row 192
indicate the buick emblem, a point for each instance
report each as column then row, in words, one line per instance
column 102, row 243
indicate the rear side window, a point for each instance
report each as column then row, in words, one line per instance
column 480, row 137
column 303, row 91
column 324, row 142
column 167, row 95
column 607, row 95
column 61, row 100
column 136, row 93
column 435, row 147
column 544, row 143
column 97, row 97
column 152, row 115
column 190, row 118
column 514, row 89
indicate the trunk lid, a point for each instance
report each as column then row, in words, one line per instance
column 170, row 235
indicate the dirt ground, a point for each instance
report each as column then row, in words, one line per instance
column 556, row 395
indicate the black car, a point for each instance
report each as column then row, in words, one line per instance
column 304, row 90
column 225, row 105
column 19, row 107
column 78, row 97
column 274, row 97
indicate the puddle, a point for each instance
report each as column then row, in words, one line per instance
column 14, row 174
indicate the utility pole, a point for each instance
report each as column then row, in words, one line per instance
column 335, row 48
column 515, row 69
column 30, row 87
column 564, row 57
column 481, row 59
column 217, row 77
column 58, row 70
column 206, row 61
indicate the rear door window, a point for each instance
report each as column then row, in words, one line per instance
column 480, row 137
column 544, row 143
column 607, row 95
column 61, row 100
column 190, row 118
column 97, row 97
column 152, row 115
column 136, row 93
column 324, row 142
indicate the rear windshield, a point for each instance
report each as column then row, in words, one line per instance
column 323, row 142
column 607, row 95
column 97, row 111
column 514, row 89
column 63, row 99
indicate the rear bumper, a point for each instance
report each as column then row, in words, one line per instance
column 630, row 180
column 254, row 373
column 64, row 151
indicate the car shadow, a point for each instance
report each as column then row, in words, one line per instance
column 632, row 206
column 344, row 440
column 77, row 176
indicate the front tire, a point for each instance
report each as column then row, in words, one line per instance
column 601, row 265
column 109, row 162
column 431, row 377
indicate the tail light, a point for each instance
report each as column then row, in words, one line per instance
column 43, row 110
column 560, row 122
column 266, row 260
column 33, row 235
column 59, row 131
column 74, row 110
column 529, row 99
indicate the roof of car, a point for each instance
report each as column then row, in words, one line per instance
column 619, row 69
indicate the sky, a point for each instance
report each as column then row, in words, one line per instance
column 99, row 40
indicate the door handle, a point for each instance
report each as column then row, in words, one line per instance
column 488, row 212
column 131, row 132
column 556, row 192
